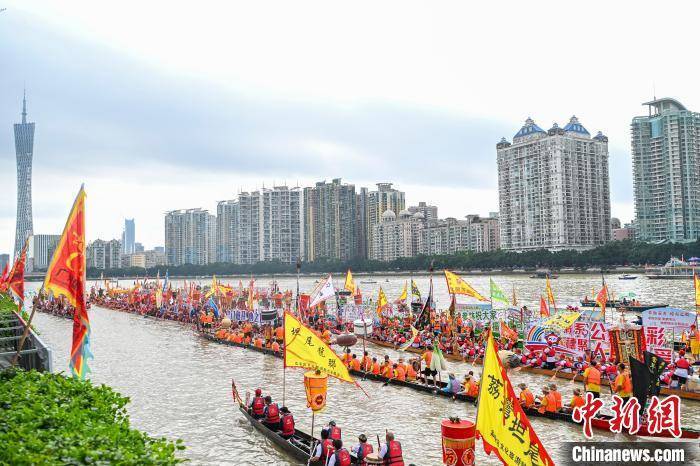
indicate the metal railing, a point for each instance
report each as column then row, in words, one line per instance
column 34, row 355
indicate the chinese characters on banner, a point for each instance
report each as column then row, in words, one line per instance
column 662, row 416
column 477, row 312
column 655, row 339
column 576, row 337
column 600, row 341
column 500, row 420
column 303, row 348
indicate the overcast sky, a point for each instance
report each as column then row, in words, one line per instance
column 165, row 105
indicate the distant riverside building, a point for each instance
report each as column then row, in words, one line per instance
column 409, row 235
column 138, row 247
column 260, row 226
column 430, row 212
column 666, row 169
column 129, row 236
column 362, row 219
column 330, row 221
column 102, row 254
column 41, row 249
column 24, row 149
column 554, row 190
column 188, row 237
column 4, row 261
column 145, row 259
column 377, row 202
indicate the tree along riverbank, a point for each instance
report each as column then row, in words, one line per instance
column 622, row 256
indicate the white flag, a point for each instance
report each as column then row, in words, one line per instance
column 324, row 292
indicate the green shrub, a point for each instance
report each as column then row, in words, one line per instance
column 52, row 419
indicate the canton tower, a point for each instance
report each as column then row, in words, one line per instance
column 24, row 147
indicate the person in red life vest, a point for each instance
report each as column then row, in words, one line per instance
column 287, row 423
column 611, row 371
column 682, row 370
column 334, row 432
column 272, row 414
column 341, row 457
column 362, row 449
column 323, row 450
column 391, row 451
column 257, row 406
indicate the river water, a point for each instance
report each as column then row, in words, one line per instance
column 180, row 384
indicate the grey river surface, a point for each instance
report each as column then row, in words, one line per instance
column 180, row 384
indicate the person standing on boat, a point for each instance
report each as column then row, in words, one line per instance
column 287, row 423
column 362, row 449
column 391, row 452
column 272, row 414
column 427, row 358
column 453, row 386
column 623, row 383
column 323, row 450
column 591, row 379
column 694, row 341
column 257, row 406
column 550, row 356
column 341, row 457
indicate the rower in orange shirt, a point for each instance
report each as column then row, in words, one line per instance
column 527, row 399
column 411, row 373
column 366, row 362
column 354, row 363
column 279, row 333
column 577, row 401
column 376, row 369
column 347, row 357
column 388, row 371
column 400, row 372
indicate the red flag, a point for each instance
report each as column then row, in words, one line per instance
column 66, row 277
column 3, row 277
column 544, row 310
column 602, row 299
column 15, row 280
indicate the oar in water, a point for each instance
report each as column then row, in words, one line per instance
column 554, row 376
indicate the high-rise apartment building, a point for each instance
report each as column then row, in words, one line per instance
column 330, row 216
column 361, row 223
column 129, row 236
column 102, row 254
column 666, row 170
column 187, row 237
column 41, row 249
column 554, row 189
column 24, row 149
column 261, row 226
column 227, row 213
column 379, row 201
column 430, row 212
column 411, row 234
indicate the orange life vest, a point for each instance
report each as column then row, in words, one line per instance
column 527, row 398
column 400, row 373
column 577, row 401
column 557, row 400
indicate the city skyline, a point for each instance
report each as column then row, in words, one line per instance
column 149, row 133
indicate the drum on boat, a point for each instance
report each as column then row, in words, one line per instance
column 362, row 327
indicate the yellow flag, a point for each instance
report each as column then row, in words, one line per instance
column 500, row 420
column 456, row 285
column 404, row 293
column 349, row 282
column 550, row 293
column 563, row 320
column 381, row 302
column 303, row 348
column 696, row 280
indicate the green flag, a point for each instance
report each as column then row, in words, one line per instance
column 497, row 294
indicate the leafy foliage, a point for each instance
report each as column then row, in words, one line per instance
column 615, row 253
column 51, row 419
